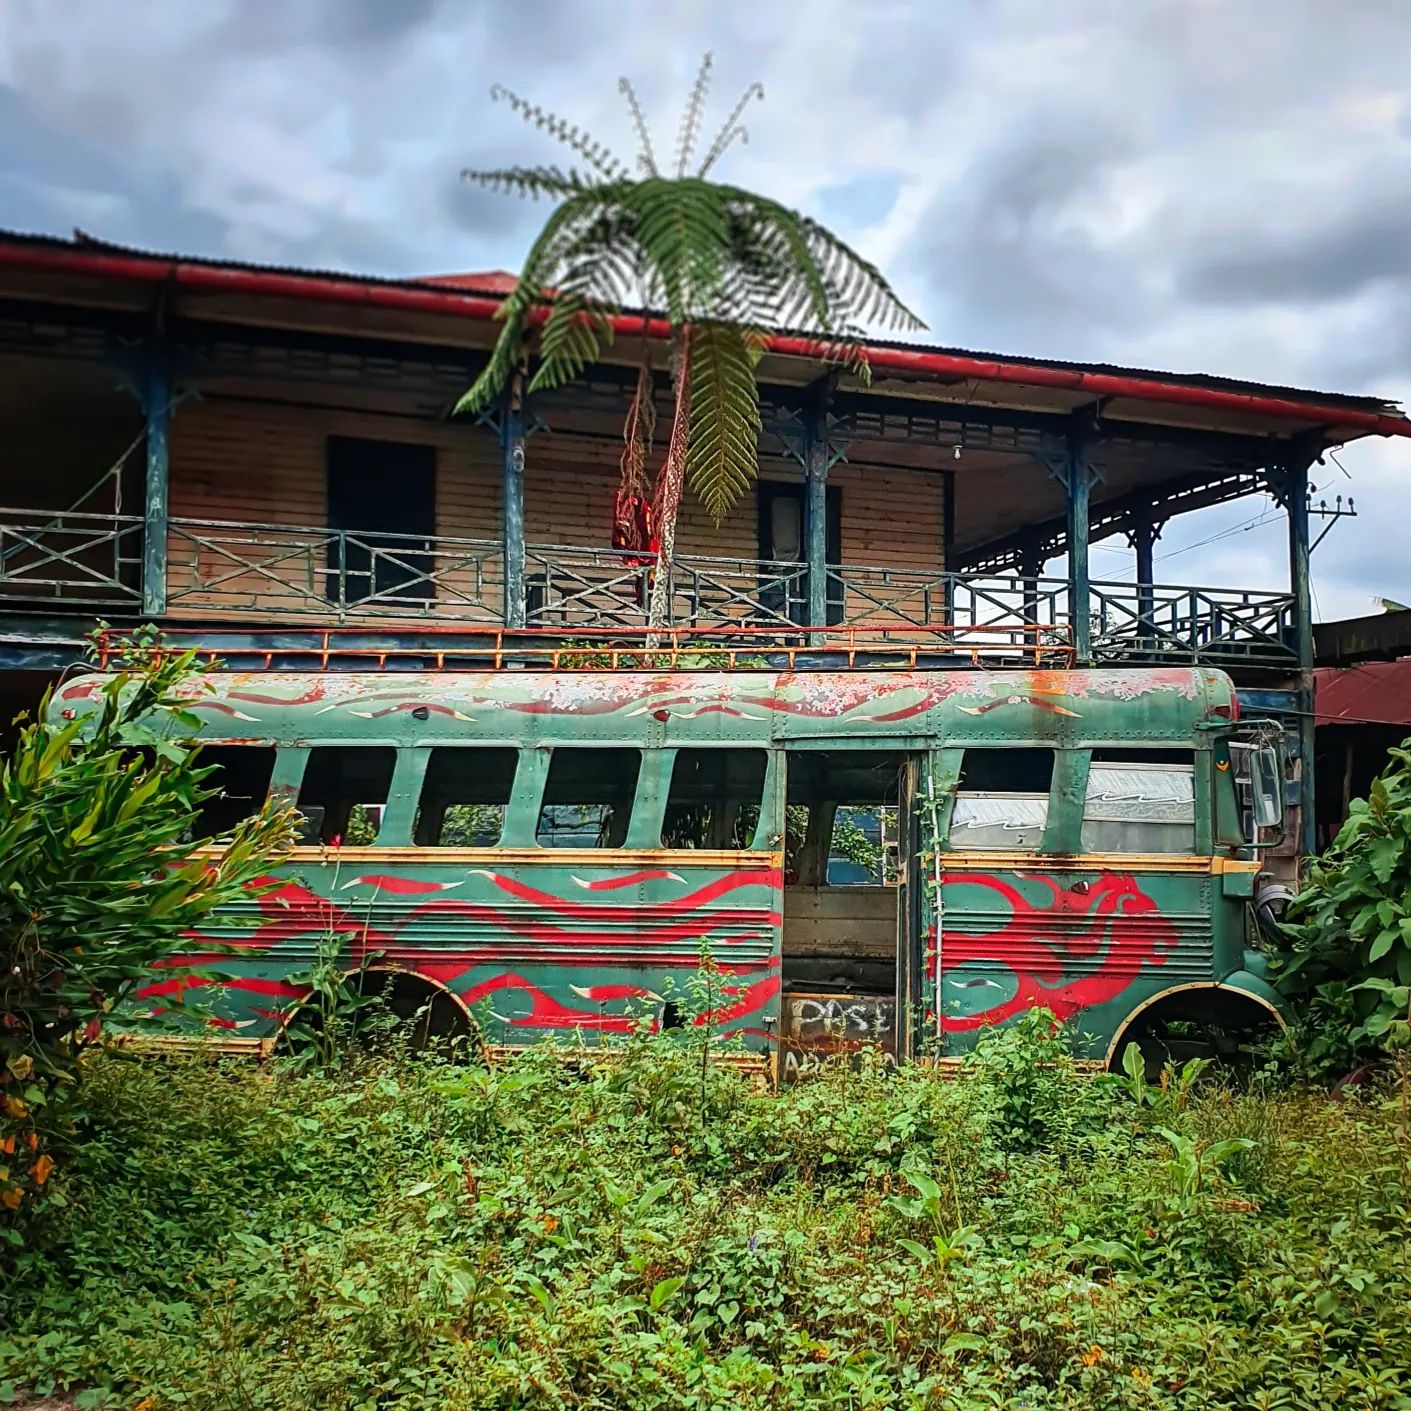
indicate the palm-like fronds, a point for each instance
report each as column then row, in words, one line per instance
column 719, row 261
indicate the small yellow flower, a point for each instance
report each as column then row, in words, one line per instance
column 1093, row 1356
column 551, row 1223
column 10, row 1197
column 1140, row 1377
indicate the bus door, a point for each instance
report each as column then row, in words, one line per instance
column 1072, row 880
column 851, row 947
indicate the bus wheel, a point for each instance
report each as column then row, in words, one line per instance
column 1221, row 1026
column 382, row 1009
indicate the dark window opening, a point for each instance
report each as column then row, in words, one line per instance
column 1002, row 802
column 241, row 775
column 783, row 538
column 464, row 798
column 382, row 503
column 345, row 793
column 588, row 798
column 714, row 799
column 1140, row 801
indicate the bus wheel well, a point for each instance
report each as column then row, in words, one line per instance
column 422, row 1011
column 1195, row 1021
column 408, row 995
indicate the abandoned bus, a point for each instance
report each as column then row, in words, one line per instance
column 868, row 857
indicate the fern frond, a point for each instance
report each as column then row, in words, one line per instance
column 572, row 339
column 729, row 127
column 528, row 181
column 595, row 153
column 722, row 457
column 646, row 157
column 543, row 259
column 691, row 117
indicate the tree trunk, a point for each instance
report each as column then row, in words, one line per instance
column 670, row 486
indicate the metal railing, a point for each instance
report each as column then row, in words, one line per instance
column 1164, row 623
column 66, row 558
column 248, row 572
column 584, row 590
column 331, row 573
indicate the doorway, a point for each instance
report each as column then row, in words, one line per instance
column 851, row 942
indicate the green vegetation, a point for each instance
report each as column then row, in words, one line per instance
column 1349, row 969
column 646, row 1230
column 100, row 882
column 723, row 266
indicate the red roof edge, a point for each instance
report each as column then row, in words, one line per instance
column 917, row 361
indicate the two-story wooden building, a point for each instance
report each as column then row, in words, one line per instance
column 264, row 461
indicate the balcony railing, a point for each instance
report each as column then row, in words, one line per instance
column 250, row 573
column 68, row 558
column 580, row 590
column 250, row 570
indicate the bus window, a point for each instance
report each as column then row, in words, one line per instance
column 242, row 774
column 714, row 799
column 588, row 797
column 1140, row 801
column 1002, row 802
column 344, row 793
column 464, row 798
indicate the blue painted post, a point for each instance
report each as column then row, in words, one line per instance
column 1079, row 580
column 816, row 514
column 156, row 403
column 512, row 467
column 1143, row 537
column 1294, row 482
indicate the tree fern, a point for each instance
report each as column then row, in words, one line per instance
column 721, row 263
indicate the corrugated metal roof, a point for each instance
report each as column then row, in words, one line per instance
column 492, row 284
column 1372, row 693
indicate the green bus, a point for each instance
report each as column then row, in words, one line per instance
column 869, row 857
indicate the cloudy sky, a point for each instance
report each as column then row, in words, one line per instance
column 1198, row 185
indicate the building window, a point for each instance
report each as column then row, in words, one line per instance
column 345, row 793
column 1140, row 801
column 382, row 503
column 241, row 774
column 464, row 798
column 714, row 799
column 588, row 798
column 1002, row 802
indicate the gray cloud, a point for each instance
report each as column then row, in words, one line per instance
column 1218, row 187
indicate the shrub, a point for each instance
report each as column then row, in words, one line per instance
column 100, row 881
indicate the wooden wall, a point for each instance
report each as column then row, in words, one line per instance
column 255, row 462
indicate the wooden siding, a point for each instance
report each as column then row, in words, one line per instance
column 248, row 462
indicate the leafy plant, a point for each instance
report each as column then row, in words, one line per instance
column 1350, row 927
column 947, row 1243
column 102, row 882
column 721, row 264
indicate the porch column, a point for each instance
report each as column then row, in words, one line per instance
column 1030, row 566
column 1079, row 486
column 1292, row 488
column 156, row 404
column 816, row 511
column 512, row 473
column 1142, row 536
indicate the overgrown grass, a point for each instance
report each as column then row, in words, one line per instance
column 633, row 1234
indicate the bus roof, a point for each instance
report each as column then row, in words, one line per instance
column 852, row 709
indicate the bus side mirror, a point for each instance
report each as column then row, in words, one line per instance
column 1266, row 788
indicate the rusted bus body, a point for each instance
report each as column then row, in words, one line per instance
column 551, row 853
